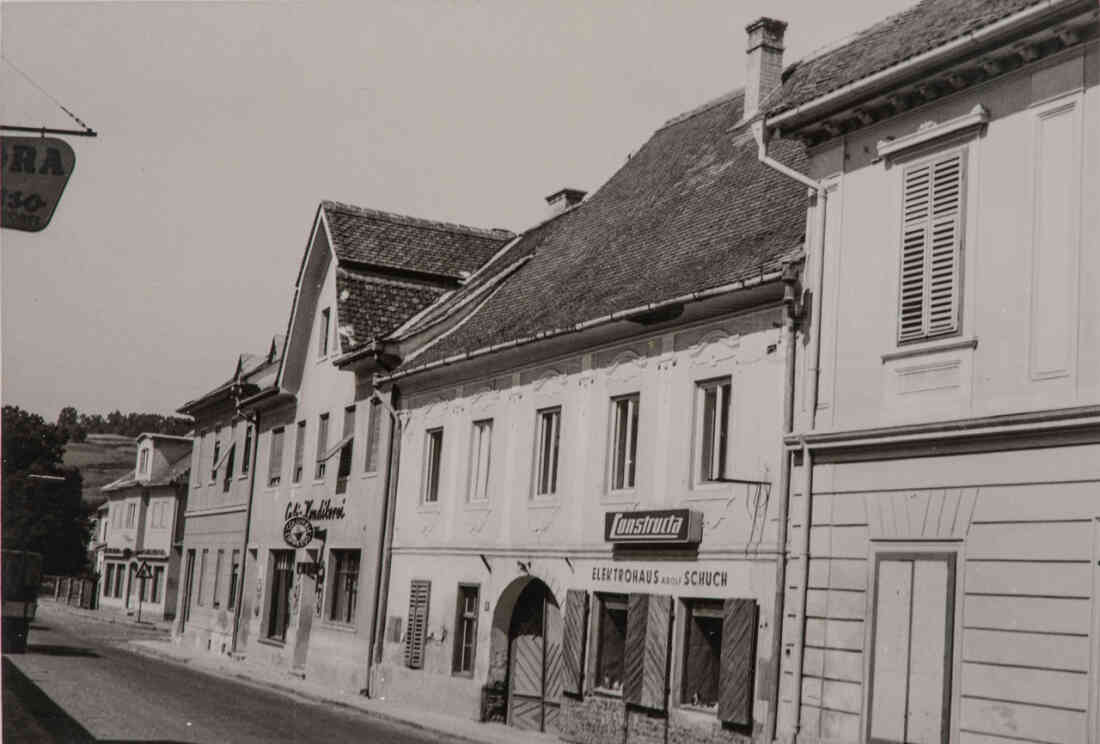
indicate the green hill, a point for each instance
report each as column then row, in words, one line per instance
column 101, row 459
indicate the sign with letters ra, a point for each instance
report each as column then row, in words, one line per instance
column 33, row 173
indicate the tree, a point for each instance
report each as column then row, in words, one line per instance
column 42, row 515
column 68, row 421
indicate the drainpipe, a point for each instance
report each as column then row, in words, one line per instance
column 818, row 254
column 385, row 536
column 254, row 419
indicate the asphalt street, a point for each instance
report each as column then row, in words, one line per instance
column 77, row 684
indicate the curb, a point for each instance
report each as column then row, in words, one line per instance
column 306, row 695
column 105, row 618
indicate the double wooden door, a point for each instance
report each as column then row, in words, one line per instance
column 535, row 671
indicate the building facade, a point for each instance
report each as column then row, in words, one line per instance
column 947, row 439
column 144, row 527
column 312, row 560
column 216, row 520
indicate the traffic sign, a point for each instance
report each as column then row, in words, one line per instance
column 144, row 571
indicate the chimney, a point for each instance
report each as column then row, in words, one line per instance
column 764, row 62
column 562, row 200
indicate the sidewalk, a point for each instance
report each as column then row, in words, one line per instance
column 458, row 729
column 111, row 615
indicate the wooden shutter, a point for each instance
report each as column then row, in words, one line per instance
column 930, row 241
column 576, row 628
column 645, row 668
column 735, row 685
column 420, row 591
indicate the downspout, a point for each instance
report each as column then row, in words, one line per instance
column 255, row 421
column 818, row 253
column 385, row 536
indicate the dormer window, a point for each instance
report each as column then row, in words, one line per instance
column 143, row 461
column 322, row 333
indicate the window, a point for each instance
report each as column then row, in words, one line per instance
column 465, row 648
column 120, row 576
column 344, row 590
column 347, row 445
column 143, row 461
column 282, row 577
column 546, row 451
column 188, row 584
column 322, row 445
column 216, row 461
column 215, row 602
column 234, row 578
column 480, row 460
column 109, row 580
column 299, row 451
column 131, row 512
column 322, row 334
column 246, row 455
column 158, row 582
column 374, row 428
column 702, row 654
column 624, row 442
column 610, row 641
column 202, row 576
column 712, row 428
column 196, row 471
column 227, row 481
column 433, row 455
column 420, row 594
column 931, row 237
column 275, row 461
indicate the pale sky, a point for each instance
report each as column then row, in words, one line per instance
column 222, row 125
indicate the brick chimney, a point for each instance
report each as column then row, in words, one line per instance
column 562, row 200
column 764, row 62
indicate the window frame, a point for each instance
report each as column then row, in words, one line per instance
column 615, row 457
column 349, row 608
column 547, row 489
column 298, row 467
column 706, row 607
column 214, row 460
column 433, row 463
column 699, row 448
column 202, row 576
column 466, row 621
column 234, row 579
column 279, row 596
column 278, row 442
column 324, row 324
column 621, row 603
column 246, row 453
column 321, row 465
column 479, row 473
column 373, row 438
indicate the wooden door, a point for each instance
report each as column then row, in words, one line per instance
column 912, row 648
column 535, row 667
column 552, row 667
column 525, row 695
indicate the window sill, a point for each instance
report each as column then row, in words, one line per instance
column 931, row 347
column 430, row 508
column 463, row 675
column 477, row 506
column 370, row 474
column 543, row 504
column 619, row 498
column 604, row 692
column 339, row 627
column 272, row 642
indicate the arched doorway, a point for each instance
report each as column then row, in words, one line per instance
column 529, row 613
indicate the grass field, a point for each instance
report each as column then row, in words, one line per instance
column 101, row 461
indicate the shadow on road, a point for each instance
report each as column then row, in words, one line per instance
column 31, row 717
column 51, row 650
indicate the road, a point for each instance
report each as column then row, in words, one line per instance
column 76, row 684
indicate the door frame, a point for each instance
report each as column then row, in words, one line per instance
column 949, row 553
column 549, row 602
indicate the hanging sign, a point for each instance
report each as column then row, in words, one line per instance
column 298, row 532
column 33, row 173
column 664, row 526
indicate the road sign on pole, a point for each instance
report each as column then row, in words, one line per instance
column 144, row 572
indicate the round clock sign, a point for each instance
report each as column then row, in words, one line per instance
column 298, row 532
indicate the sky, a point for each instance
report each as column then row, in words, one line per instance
column 222, row 125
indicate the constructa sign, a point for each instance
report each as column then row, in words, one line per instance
column 664, row 526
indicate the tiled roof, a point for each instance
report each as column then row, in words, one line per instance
column 693, row 209
column 369, row 307
column 921, row 28
column 382, row 239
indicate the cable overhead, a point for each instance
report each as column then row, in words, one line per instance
column 85, row 132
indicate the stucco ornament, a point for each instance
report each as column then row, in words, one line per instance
column 627, row 366
column 714, row 348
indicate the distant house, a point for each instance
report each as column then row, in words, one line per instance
column 144, row 526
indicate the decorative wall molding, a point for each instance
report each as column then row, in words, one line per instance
column 932, row 514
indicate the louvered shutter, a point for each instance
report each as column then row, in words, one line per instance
column 735, row 685
column 420, row 591
column 645, row 668
column 930, row 240
column 573, row 637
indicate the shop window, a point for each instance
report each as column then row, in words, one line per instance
column 202, row 577
column 624, row 442
column 547, row 440
column 234, row 578
column 702, row 654
column 374, row 429
column 323, row 333
column 120, row 577
column 610, row 641
column 465, row 641
column 282, row 579
column 712, row 428
column 344, row 589
column 158, row 583
column 299, row 451
column 218, row 558
column 322, row 447
column 433, row 456
column 108, row 581
column 275, row 461
column 481, row 441
column 246, row 454
column 420, row 594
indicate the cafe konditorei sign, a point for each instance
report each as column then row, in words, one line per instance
column 33, row 174
column 662, row 526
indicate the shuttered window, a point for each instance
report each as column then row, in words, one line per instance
column 738, row 663
column 420, row 592
column 573, row 637
column 611, row 641
column 702, row 654
column 931, row 237
column 645, row 666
